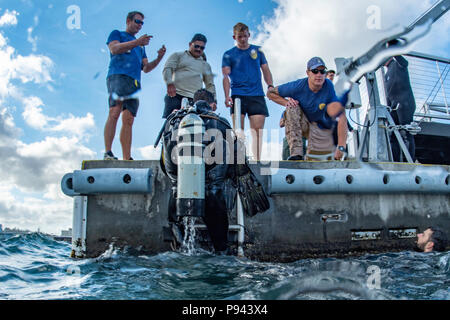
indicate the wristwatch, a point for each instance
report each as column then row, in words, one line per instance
column 341, row 148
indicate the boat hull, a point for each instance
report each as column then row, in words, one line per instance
column 298, row 224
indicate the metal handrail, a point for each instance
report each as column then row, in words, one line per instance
column 430, row 116
column 427, row 57
column 429, row 76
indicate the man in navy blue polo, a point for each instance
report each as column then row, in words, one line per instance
column 243, row 65
column 311, row 108
column 128, row 59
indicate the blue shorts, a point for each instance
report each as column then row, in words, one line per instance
column 251, row 105
column 123, row 86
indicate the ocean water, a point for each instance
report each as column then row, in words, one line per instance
column 36, row 267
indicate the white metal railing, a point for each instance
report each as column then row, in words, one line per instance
column 430, row 81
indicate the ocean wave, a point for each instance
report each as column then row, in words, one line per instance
column 35, row 266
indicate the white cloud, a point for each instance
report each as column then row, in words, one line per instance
column 51, row 148
column 150, row 152
column 36, row 69
column 9, row 18
column 31, row 39
column 33, row 167
column 33, row 68
column 271, row 149
column 5, row 60
column 31, row 213
column 8, row 128
column 71, row 125
column 78, row 126
column 33, row 113
column 30, row 195
column 2, row 40
column 301, row 29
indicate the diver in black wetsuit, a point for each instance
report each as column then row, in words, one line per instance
column 218, row 200
column 399, row 94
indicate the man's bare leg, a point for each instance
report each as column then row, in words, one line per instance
column 257, row 126
column 110, row 126
column 242, row 120
column 126, row 134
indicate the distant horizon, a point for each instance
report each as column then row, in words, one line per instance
column 5, row 228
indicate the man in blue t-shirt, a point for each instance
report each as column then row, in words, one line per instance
column 128, row 59
column 243, row 64
column 311, row 108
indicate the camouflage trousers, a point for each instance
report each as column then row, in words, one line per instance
column 320, row 141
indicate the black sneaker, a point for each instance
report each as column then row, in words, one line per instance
column 109, row 156
column 295, row 158
column 131, row 159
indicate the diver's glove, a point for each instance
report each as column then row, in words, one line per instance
column 254, row 199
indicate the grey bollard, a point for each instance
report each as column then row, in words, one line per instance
column 67, row 185
column 112, row 180
column 420, row 180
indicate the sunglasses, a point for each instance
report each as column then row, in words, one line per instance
column 139, row 21
column 196, row 46
column 316, row 71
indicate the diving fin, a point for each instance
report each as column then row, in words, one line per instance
column 254, row 199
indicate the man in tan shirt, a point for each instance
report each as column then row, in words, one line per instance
column 185, row 72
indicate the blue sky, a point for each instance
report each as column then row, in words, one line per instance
column 53, row 100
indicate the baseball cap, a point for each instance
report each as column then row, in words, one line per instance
column 315, row 62
column 198, row 37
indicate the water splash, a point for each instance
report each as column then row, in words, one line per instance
column 110, row 253
column 188, row 245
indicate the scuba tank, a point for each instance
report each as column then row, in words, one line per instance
column 190, row 167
